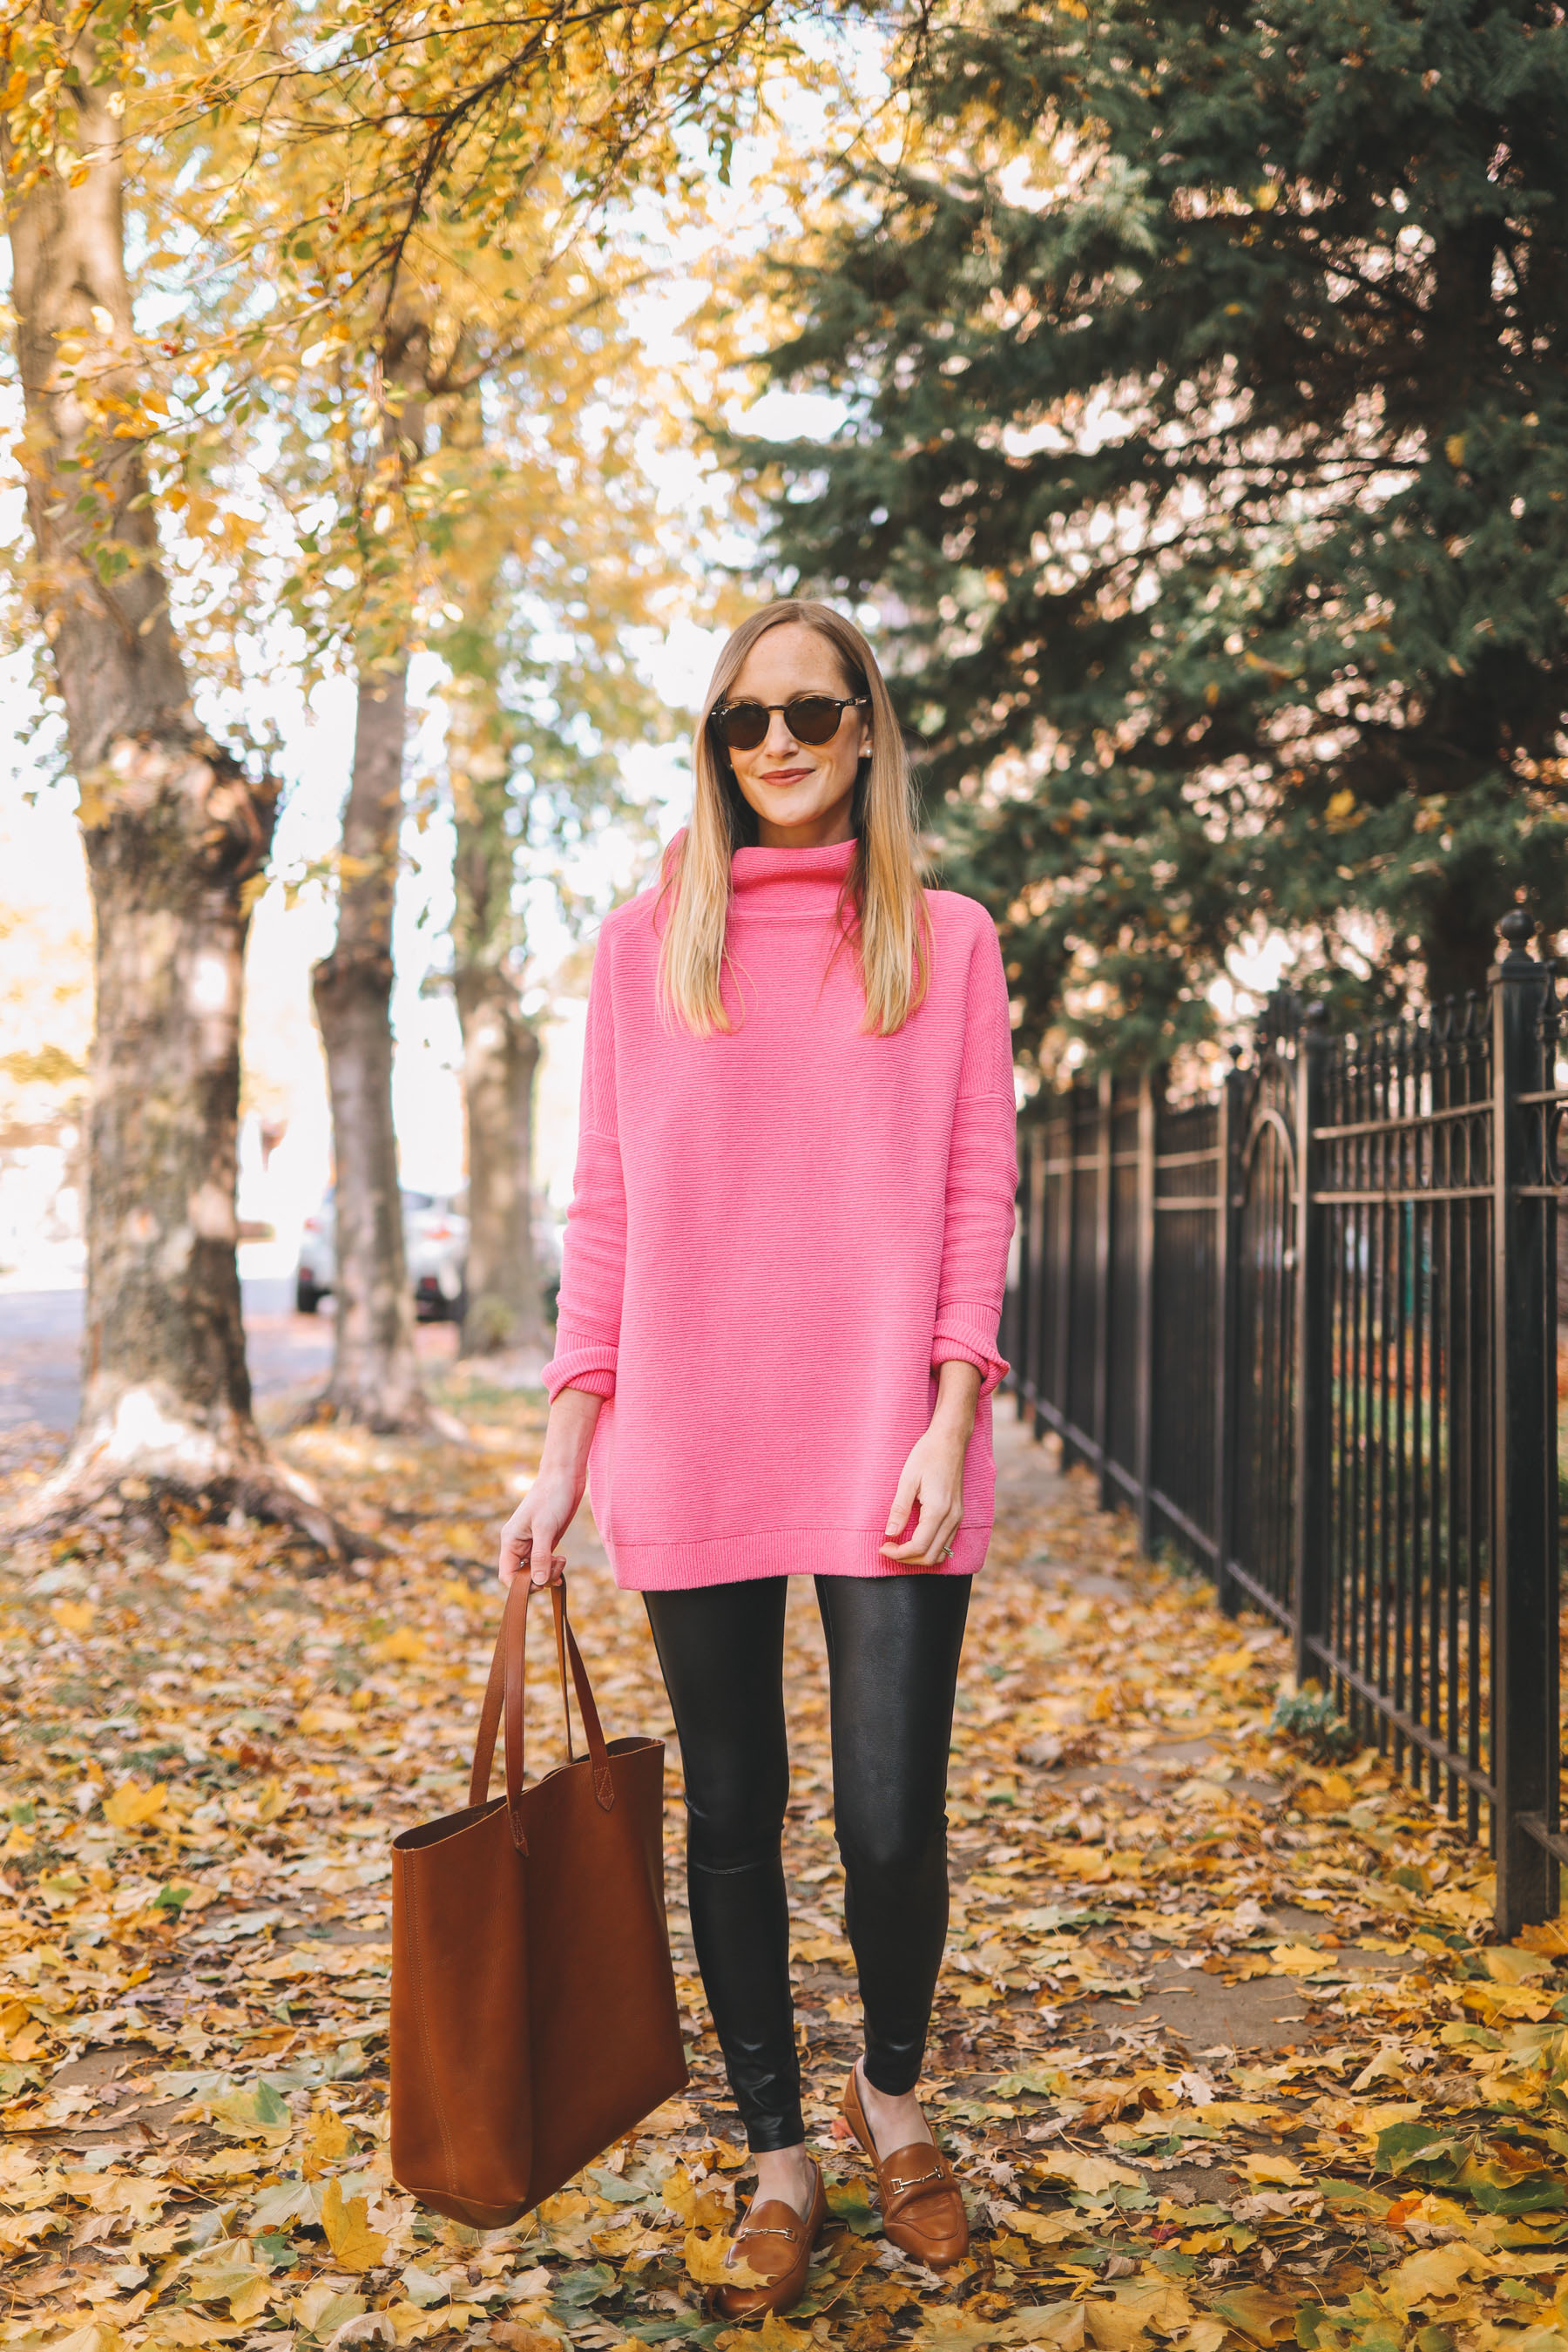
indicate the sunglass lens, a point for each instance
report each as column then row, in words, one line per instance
column 744, row 726
column 813, row 717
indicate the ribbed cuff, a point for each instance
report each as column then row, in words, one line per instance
column 588, row 1364
column 968, row 1335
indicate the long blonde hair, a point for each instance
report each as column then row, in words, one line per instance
column 881, row 910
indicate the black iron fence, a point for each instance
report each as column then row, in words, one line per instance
column 1307, row 1330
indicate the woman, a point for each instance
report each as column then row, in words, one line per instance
column 776, row 1350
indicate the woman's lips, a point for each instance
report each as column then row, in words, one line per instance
column 785, row 775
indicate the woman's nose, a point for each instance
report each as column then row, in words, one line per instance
column 779, row 741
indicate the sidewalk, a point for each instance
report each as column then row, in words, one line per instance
column 1222, row 2048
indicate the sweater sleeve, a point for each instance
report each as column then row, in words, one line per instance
column 594, row 1252
column 982, row 1178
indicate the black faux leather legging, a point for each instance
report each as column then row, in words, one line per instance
column 893, row 1645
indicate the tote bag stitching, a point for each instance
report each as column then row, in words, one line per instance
column 430, row 2066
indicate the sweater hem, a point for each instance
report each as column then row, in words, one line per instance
column 784, row 1551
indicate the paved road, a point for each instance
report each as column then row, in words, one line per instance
column 41, row 1338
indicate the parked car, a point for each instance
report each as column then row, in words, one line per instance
column 435, row 1242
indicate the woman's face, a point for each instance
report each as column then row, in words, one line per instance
column 801, row 792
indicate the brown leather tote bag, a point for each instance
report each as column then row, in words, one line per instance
column 533, row 2009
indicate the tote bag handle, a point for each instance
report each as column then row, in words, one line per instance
column 504, row 1700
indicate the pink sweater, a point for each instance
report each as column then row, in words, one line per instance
column 778, row 1234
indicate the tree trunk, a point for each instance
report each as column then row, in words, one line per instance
column 375, row 1374
column 501, row 1056
column 174, row 829
column 1459, row 944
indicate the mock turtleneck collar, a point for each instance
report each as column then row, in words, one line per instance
column 790, row 881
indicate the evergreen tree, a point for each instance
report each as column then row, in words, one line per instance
column 1208, row 451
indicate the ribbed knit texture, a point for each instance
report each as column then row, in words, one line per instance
column 778, row 1234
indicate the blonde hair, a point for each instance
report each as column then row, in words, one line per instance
column 881, row 910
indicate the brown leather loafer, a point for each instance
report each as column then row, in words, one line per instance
column 776, row 2242
column 922, row 2205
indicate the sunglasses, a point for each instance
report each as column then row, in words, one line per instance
column 810, row 717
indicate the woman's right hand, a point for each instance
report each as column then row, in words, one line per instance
column 530, row 1538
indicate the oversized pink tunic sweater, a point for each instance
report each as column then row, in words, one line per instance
column 778, row 1234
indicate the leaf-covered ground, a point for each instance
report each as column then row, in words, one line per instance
column 1225, row 2051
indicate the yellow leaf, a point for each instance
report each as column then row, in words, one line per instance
column 1371, row 2123
column 413, row 2326
column 270, row 1800
column 1058, row 2325
column 1454, row 448
column 1279, row 2171
column 1265, row 2318
column 1550, row 1936
column 15, row 89
column 225, row 2280
column 255, row 2113
column 705, row 2262
column 329, row 2140
column 251, row 2299
column 131, row 1807
column 1233, row 1662
column 1092, row 2174
column 74, row 1616
column 1430, row 2275
column 1388, row 2061
column 1114, row 2326
column 322, row 2308
column 1506, row 1966
column 356, row 2245
column 1046, row 2229
column 1301, row 1960
column 318, row 1719
column 774, row 2334
column 675, row 2116
column 624, row 2238
column 699, row 2207
column 402, row 1646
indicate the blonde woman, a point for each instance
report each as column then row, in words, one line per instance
column 775, row 1351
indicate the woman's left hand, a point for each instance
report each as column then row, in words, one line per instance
column 933, row 1477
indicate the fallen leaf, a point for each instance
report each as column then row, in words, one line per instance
column 1092, row 2174
column 133, row 1807
column 1258, row 2313
column 705, row 2262
column 1279, row 2171
column 353, row 2242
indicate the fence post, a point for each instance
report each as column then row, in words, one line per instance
column 1063, row 1336
column 1105, row 1124
column 1020, row 1335
column 1313, row 1291
column 1146, row 1400
column 1523, row 1442
column 1227, row 1357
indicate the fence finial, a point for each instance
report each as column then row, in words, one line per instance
column 1517, row 931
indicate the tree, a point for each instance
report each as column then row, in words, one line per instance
column 374, row 1378
column 1206, row 442
column 553, row 555
column 177, row 827
column 300, row 181
column 409, row 296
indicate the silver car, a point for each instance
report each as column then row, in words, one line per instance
column 435, row 1244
